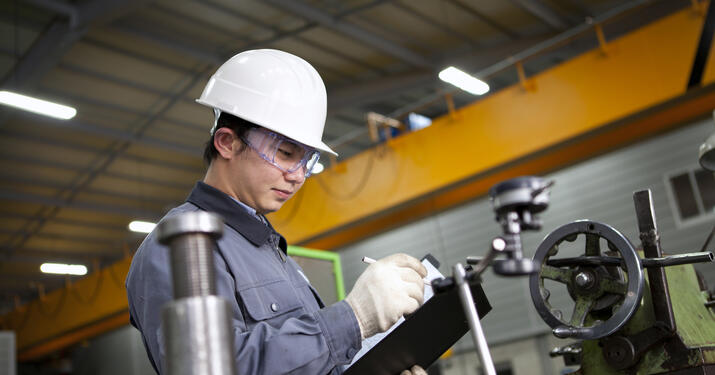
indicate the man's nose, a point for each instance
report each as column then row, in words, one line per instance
column 297, row 176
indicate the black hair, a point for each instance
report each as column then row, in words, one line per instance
column 226, row 120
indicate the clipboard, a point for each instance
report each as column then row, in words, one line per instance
column 423, row 336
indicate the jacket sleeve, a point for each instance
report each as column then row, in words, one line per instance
column 149, row 288
column 292, row 343
column 306, row 343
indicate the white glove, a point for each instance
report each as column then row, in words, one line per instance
column 387, row 290
column 415, row 370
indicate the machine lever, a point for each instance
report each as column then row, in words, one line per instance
column 671, row 260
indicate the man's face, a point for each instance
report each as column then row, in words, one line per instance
column 259, row 184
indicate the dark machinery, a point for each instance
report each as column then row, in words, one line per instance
column 627, row 323
column 516, row 203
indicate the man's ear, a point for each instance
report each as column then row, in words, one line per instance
column 226, row 142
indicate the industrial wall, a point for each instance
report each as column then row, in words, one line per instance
column 599, row 189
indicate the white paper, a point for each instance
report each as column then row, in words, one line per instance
column 370, row 342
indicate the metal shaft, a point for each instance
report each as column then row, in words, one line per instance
column 465, row 295
column 191, row 237
column 198, row 338
column 192, row 268
column 660, row 294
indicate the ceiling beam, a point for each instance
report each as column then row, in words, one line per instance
column 435, row 23
column 190, row 51
column 49, row 48
column 377, row 89
column 46, row 183
column 326, row 19
column 98, row 43
column 42, row 56
column 543, row 12
column 384, row 88
column 74, row 168
column 58, row 38
column 64, row 221
column 15, row 196
column 77, row 168
column 73, row 98
column 66, row 237
column 214, row 59
column 110, row 133
column 484, row 18
column 280, row 34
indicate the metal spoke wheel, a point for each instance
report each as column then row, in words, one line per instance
column 609, row 291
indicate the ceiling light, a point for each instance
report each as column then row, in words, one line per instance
column 141, row 226
column 64, row 269
column 464, row 81
column 317, row 168
column 35, row 105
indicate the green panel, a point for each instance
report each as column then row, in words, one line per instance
column 323, row 255
column 696, row 323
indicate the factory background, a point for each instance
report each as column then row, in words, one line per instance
column 70, row 188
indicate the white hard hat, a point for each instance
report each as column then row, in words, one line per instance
column 273, row 89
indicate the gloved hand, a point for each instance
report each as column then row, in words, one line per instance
column 415, row 370
column 387, row 290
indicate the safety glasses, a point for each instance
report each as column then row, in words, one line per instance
column 284, row 153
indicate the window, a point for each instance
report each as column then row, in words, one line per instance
column 692, row 195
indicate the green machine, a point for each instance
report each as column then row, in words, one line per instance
column 630, row 311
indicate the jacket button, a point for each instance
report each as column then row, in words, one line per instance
column 274, row 307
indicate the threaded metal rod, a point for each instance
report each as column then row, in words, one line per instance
column 191, row 237
column 196, row 324
column 192, row 268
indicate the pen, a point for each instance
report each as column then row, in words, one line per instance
column 369, row 260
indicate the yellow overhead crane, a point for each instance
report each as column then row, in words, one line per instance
column 629, row 88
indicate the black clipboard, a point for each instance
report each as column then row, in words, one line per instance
column 423, row 336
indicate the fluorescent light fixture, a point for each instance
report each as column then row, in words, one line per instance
column 464, row 81
column 38, row 106
column 317, row 168
column 64, row 269
column 141, row 226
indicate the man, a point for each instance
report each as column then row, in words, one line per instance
column 270, row 109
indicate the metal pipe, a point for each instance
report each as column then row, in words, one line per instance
column 196, row 324
column 671, row 260
column 480, row 341
column 676, row 260
column 660, row 294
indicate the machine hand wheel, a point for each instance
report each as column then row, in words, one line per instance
column 594, row 281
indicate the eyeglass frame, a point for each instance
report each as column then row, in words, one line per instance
column 309, row 151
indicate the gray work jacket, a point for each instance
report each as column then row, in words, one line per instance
column 280, row 323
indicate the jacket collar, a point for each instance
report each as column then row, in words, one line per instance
column 210, row 199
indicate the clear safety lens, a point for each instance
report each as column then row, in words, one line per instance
column 287, row 155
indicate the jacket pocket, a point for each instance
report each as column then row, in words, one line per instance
column 271, row 300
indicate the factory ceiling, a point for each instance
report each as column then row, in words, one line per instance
column 133, row 69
